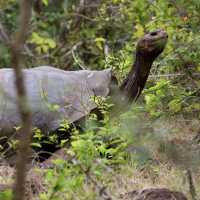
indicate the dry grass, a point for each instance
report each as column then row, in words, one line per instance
column 162, row 174
column 34, row 184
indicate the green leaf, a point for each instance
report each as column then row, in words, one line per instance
column 34, row 144
column 45, row 2
column 198, row 68
column 100, row 42
column 6, row 195
column 139, row 31
column 175, row 105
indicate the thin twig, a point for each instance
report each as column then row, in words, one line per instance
column 101, row 189
column 28, row 51
column 84, row 17
column 3, row 34
column 5, row 38
column 191, row 185
column 74, row 47
column 72, row 52
column 171, row 75
column 76, row 59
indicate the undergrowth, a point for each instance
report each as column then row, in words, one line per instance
column 110, row 159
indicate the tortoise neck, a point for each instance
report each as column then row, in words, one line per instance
column 133, row 84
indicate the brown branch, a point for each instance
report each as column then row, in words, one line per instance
column 3, row 34
column 5, row 38
column 25, row 114
column 191, row 185
column 103, row 193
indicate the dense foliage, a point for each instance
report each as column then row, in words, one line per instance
column 94, row 34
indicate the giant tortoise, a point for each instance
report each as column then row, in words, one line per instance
column 55, row 94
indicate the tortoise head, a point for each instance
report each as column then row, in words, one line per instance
column 152, row 44
column 148, row 48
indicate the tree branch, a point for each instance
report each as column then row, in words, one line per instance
column 3, row 34
column 191, row 185
column 25, row 133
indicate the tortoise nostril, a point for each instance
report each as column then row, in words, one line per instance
column 154, row 33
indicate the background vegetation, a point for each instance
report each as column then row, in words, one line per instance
column 154, row 139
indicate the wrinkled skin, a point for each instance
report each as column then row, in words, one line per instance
column 148, row 49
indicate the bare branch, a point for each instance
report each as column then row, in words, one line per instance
column 84, row 17
column 191, row 185
column 3, row 34
column 25, row 132
column 5, row 38
column 76, row 59
column 72, row 52
column 171, row 75
column 102, row 190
